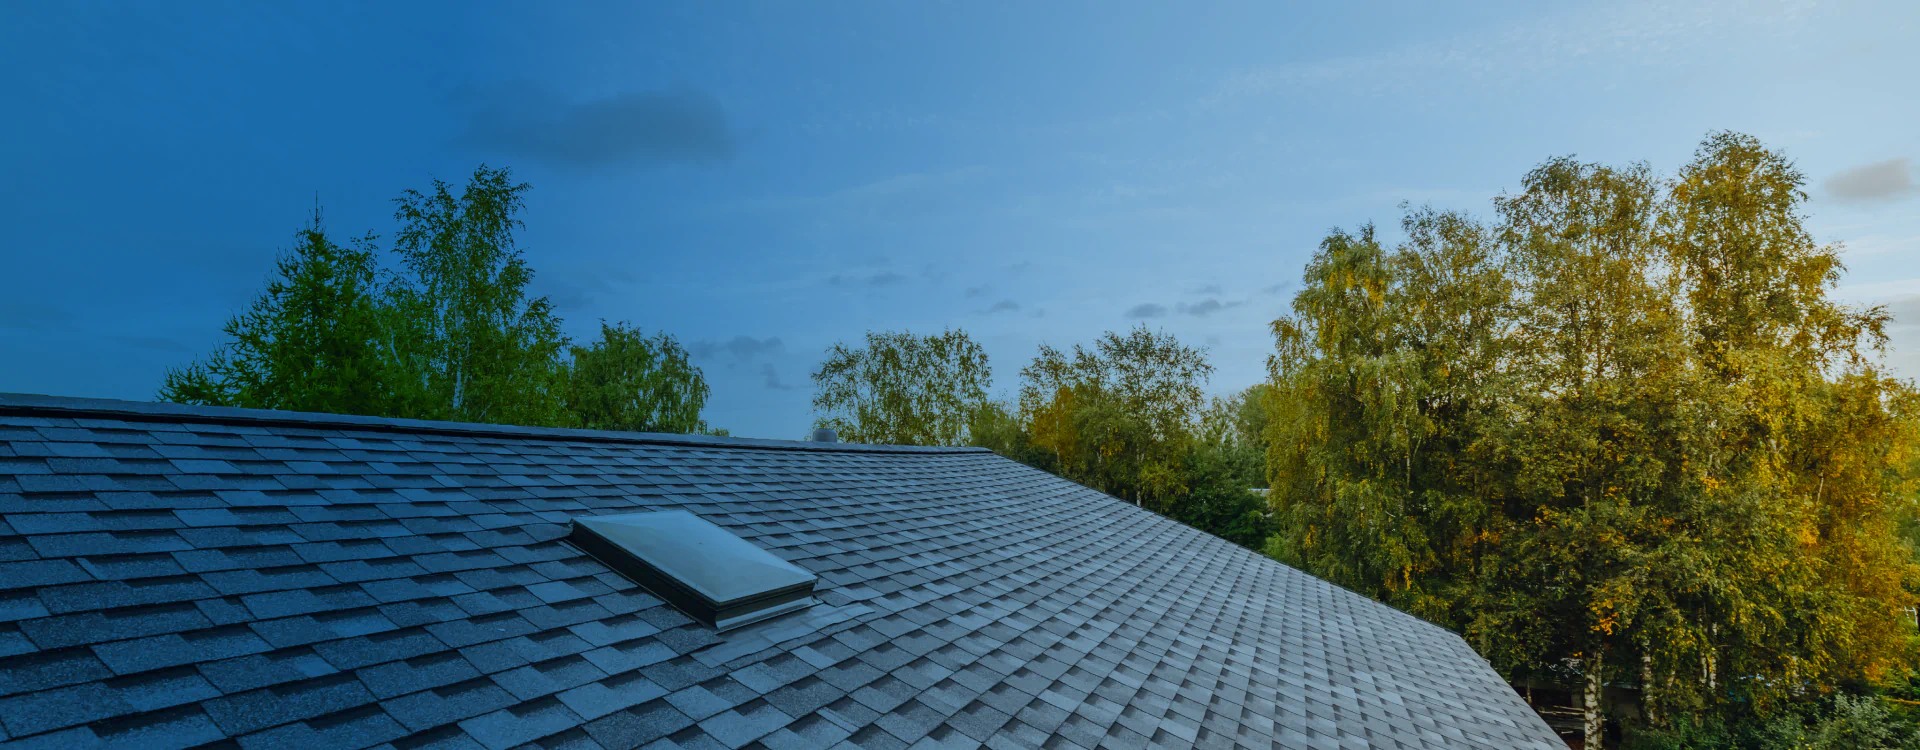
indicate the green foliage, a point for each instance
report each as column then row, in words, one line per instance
column 997, row 427
column 1384, row 376
column 450, row 334
column 627, row 380
column 306, row 344
column 902, row 388
column 1232, row 433
column 1225, row 462
column 1128, row 417
column 468, row 343
column 1622, row 428
column 1685, row 733
column 1118, row 417
column 1843, row 722
column 1849, row 723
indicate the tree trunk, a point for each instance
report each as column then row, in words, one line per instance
column 1646, row 688
column 1590, row 700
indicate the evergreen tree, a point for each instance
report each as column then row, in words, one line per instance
column 308, row 343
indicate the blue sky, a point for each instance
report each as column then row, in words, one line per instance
column 761, row 180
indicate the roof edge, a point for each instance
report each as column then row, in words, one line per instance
column 33, row 404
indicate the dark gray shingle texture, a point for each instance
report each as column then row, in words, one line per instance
column 172, row 576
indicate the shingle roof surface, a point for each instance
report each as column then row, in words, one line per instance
column 172, row 576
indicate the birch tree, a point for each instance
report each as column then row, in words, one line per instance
column 1119, row 416
column 469, row 342
column 902, row 388
column 1621, row 436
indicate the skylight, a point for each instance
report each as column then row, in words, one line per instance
column 706, row 571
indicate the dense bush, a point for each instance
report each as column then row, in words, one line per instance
column 1844, row 722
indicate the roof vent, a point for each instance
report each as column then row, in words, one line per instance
column 825, row 435
column 706, row 571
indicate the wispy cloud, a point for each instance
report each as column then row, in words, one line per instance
column 1643, row 33
column 1903, row 337
column 155, row 343
column 883, row 278
column 771, row 378
column 1879, row 181
column 31, row 316
column 1207, row 307
column 742, row 348
column 1883, row 245
column 638, row 127
column 1146, row 310
column 1905, row 311
column 1005, row 305
column 579, row 287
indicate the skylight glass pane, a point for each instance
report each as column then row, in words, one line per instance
column 706, row 571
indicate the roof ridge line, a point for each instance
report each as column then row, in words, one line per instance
column 33, row 404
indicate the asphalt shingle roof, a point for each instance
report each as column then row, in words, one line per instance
column 172, row 576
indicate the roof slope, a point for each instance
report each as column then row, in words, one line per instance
column 171, row 576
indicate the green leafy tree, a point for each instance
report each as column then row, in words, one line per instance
column 1623, row 430
column 451, row 334
column 468, row 342
column 1225, row 465
column 997, row 427
column 308, row 343
column 1233, row 431
column 1128, row 417
column 1590, row 431
column 1118, row 417
column 1809, row 436
column 1383, row 377
column 626, row 380
column 902, row 388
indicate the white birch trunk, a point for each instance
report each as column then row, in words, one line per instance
column 1590, row 700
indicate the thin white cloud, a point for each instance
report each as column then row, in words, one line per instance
column 1642, row 33
column 1876, row 292
column 1903, row 337
column 1880, row 245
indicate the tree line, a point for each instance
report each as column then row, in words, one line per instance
column 1126, row 415
column 446, row 331
column 1617, row 433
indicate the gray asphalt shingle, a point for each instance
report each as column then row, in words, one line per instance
column 172, row 576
